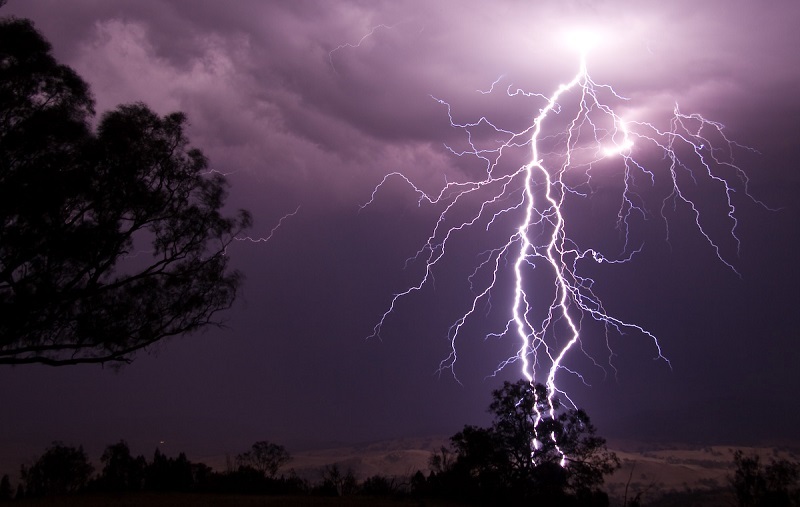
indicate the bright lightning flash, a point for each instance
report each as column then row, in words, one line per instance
column 583, row 40
column 564, row 164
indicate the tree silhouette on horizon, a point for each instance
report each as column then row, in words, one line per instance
column 524, row 457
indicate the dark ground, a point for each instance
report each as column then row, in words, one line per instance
column 714, row 498
column 211, row 500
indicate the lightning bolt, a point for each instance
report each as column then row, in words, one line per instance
column 565, row 164
column 264, row 239
column 351, row 45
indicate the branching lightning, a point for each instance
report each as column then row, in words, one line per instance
column 564, row 164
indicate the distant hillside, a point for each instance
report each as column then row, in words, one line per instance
column 657, row 471
column 399, row 458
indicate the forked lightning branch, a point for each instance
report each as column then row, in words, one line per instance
column 574, row 140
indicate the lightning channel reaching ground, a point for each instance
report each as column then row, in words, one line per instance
column 574, row 143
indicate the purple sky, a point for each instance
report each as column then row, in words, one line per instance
column 312, row 103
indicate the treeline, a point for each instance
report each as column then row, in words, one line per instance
column 776, row 484
column 534, row 452
column 66, row 470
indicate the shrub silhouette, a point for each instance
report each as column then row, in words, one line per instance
column 60, row 470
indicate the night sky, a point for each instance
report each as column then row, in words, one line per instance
column 311, row 103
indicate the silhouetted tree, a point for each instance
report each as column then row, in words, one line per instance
column 378, row 485
column 266, row 457
column 60, row 470
column 121, row 471
column 420, row 486
column 169, row 474
column 243, row 480
column 441, row 460
column 527, row 455
column 776, row 485
column 5, row 487
column 110, row 240
column 334, row 482
column 201, row 474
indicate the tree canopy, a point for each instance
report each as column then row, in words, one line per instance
column 265, row 457
column 524, row 457
column 60, row 470
column 111, row 239
column 121, row 471
column 775, row 485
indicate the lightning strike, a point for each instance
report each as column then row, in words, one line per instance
column 565, row 164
